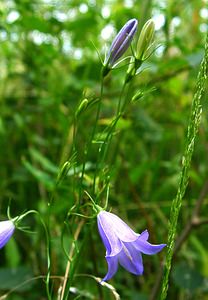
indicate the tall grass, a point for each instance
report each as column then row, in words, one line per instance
column 193, row 127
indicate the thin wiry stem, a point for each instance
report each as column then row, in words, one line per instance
column 77, row 232
column 88, row 146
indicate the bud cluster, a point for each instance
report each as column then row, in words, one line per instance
column 121, row 43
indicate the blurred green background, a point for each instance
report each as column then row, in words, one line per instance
column 48, row 64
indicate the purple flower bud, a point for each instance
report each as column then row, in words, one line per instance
column 123, row 245
column 121, row 42
column 6, row 230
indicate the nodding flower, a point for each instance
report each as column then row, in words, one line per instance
column 120, row 44
column 123, row 245
column 6, row 231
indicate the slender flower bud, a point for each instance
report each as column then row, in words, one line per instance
column 6, row 230
column 137, row 96
column 64, row 171
column 81, row 107
column 143, row 47
column 120, row 44
column 145, row 39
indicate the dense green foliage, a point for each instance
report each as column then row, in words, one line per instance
column 50, row 61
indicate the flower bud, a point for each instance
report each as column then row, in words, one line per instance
column 120, row 44
column 137, row 96
column 145, row 39
column 64, row 171
column 81, row 107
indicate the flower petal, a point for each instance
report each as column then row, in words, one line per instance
column 110, row 240
column 131, row 259
column 121, row 229
column 141, row 245
column 144, row 235
column 112, row 267
column 6, row 230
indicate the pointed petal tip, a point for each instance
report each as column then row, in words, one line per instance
column 144, row 235
column 106, row 278
column 157, row 248
column 147, row 248
column 140, row 273
column 163, row 245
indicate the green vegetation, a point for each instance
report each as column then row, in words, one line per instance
column 136, row 143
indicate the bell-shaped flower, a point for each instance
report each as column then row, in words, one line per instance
column 120, row 44
column 123, row 245
column 6, row 231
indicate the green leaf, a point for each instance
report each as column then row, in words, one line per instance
column 44, row 162
column 186, row 277
column 41, row 176
column 16, row 278
column 12, row 254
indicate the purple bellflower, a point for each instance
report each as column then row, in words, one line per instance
column 120, row 44
column 123, row 245
column 6, row 230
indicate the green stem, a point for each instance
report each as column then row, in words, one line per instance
column 120, row 100
column 193, row 127
column 106, row 143
column 98, row 109
column 17, row 220
column 93, row 134
column 70, row 264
